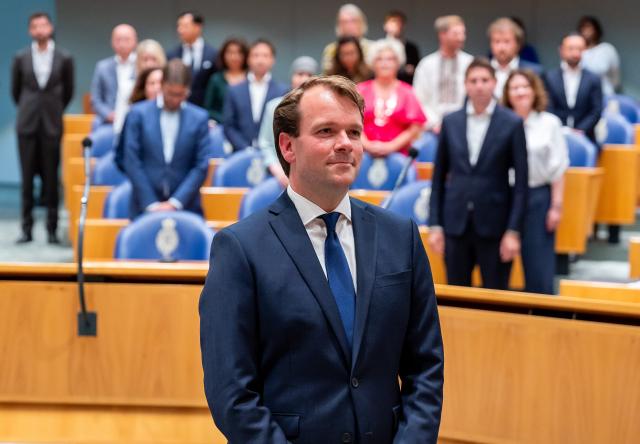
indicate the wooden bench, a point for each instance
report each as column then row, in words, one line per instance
column 77, row 123
column 634, row 257
column 605, row 291
column 619, row 193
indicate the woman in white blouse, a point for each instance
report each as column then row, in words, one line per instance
column 548, row 159
column 600, row 57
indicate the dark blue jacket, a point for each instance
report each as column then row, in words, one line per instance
column 277, row 367
column 201, row 76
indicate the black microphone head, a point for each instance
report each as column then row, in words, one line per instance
column 413, row 152
column 87, row 142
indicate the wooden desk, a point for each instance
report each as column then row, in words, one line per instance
column 618, row 197
column 77, row 123
column 634, row 257
column 601, row 291
column 424, row 170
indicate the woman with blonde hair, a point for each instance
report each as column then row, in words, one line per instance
column 149, row 54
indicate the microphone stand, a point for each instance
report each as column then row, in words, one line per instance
column 413, row 154
column 87, row 321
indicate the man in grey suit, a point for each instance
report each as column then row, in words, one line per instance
column 42, row 86
column 114, row 77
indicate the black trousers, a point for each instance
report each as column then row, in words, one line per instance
column 463, row 253
column 39, row 156
column 538, row 244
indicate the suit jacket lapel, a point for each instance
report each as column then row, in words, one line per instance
column 364, row 234
column 288, row 227
column 181, row 134
column 560, row 83
column 462, row 124
column 580, row 95
column 29, row 66
column 489, row 135
column 55, row 67
column 157, row 129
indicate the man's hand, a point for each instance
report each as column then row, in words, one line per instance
column 110, row 117
column 509, row 246
column 553, row 218
column 163, row 206
column 436, row 241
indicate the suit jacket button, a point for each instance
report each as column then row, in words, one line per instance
column 354, row 382
column 347, row 438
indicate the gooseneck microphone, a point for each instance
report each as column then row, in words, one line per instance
column 413, row 154
column 87, row 321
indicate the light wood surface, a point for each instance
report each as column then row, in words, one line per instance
column 607, row 291
column 95, row 206
column 221, row 203
column 424, row 170
column 77, row 123
column 617, row 202
column 634, row 257
column 372, row 197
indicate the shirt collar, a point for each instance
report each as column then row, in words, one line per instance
column 309, row 211
column 160, row 104
column 471, row 111
column 50, row 46
column 251, row 77
column 513, row 64
column 196, row 45
column 567, row 69
column 130, row 60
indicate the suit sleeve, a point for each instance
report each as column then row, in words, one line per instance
column 551, row 105
column 99, row 106
column 588, row 123
column 229, row 345
column 440, row 170
column 520, row 165
column 68, row 80
column 231, row 116
column 422, row 362
column 190, row 186
column 133, row 161
column 16, row 80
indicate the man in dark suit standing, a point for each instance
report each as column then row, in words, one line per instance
column 166, row 147
column 476, row 217
column 245, row 102
column 575, row 94
column 42, row 87
column 315, row 306
column 195, row 53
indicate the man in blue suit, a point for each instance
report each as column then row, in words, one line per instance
column 245, row 102
column 575, row 94
column 166, row 147
column 195, row 53
column 315, row 306
column 506, row 38
column 476, row 217
column 114, row 77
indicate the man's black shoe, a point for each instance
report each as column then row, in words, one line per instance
column 25, row 238
column 52, row 238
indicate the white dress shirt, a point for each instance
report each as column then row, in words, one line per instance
column 192, row 54
column 317, row 231
column 427, row 85
column 258, row 93
column 126, row 77
column 547, row 151
column 42, row 62
column 169, row 127
column 477, row 126
column 603, row 60
column 502, row 74
column 571, row 78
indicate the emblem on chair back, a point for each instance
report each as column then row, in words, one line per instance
column 378, row 173
column 167, row 239
column 256, row 172
column 421, row 205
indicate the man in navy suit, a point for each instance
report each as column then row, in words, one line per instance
column 476, row 217
column 245, row 102
column 575, row 94
column 506, row 38
column 114, row 77
column 315, row 306
column 166, row 147
column 195, row 53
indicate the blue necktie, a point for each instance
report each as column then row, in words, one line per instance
column 339, row 276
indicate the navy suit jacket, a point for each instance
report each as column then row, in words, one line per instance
column 277, row 367
column 201, row 76
column 152, row 178
column 239, row 127
column 535, row 67
column 588, row 108
column 458, row 187
column 104, row 87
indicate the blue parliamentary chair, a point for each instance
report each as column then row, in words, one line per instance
column 626, row 106
column 427, row 146
column 381, row 173
column 242, row 169
column 165, row 236
column 618, row 129
column 412, row 200
column 103, row 139
column 106, row 171
column 582, row 152
column 216, row 137
column 260, row 197
column 118, row 202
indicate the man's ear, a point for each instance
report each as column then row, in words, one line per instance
column 286, row 147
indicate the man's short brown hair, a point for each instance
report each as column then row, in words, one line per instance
column 443, row 23
column 176, row 72
column 480, row 62
column 505, row 23
column 286, row 118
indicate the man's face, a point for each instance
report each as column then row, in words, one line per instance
column 479, row 85
column 504, row 45
column 123, row 40
column 571, row 50
column 188, row 30
column 326, row 155
column 394, row 27
column 40, row 29
column 260, row 59
column 298, row 78
column 349, row 25
column 454, row 37
column 174, row 94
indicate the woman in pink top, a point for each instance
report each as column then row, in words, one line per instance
column 393, row 118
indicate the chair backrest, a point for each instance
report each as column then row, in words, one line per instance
column 412, row 200
column 216, row 142
column 106, row 171
column 260, row 197
column 624, row 105
column 582, row 152
column 165, row 236
column 103, row 139
column 242, row 169
column 118, row 202
column 427, row 146
column 381, row 173
column 616, row 129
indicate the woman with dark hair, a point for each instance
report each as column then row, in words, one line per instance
column 348, row 61
column 600, row 57
column 548, row 158
column 232, row 65
column 148, row 85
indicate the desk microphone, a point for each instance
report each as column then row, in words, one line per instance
column 413, row 154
